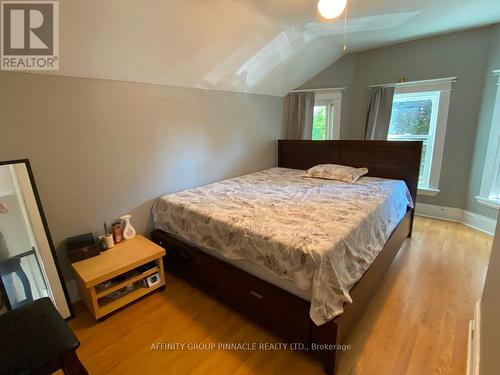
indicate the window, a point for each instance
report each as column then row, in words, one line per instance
column 490, row 184
column 326, row 120
column 420, row 113
column 319, row 123
column 414, row 118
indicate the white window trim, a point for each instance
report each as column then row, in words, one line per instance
column 428, row 192
column 331, row 97
column 491, row 154
column 444, row 86
column 488, row 202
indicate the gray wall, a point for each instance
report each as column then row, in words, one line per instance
column 484, row 126
column 463, row 54
column 100, row 149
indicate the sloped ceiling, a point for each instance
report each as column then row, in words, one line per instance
column 257, row 46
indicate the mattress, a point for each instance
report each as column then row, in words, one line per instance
column 318, row 236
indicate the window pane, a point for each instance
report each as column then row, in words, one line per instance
column 319, row 123
column 411, row 117
column 495, row 192
column 421, row 177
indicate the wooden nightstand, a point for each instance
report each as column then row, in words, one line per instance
column 122, row 260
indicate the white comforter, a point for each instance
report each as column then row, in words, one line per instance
column 321, row 234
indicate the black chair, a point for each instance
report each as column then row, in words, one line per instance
column 34, row 339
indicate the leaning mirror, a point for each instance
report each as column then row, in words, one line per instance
column 28, row 265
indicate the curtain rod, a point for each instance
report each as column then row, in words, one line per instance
column 316, row 90
column 412, row 83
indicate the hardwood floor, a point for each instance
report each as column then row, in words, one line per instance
column 416, row 324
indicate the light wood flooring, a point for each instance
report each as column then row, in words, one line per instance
column 416, row 324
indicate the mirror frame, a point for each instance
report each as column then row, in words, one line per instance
column 27, row 164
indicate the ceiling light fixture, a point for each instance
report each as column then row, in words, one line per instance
column 331, row 9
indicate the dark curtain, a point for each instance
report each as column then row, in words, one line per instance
column 299, row 113
column 379, row 113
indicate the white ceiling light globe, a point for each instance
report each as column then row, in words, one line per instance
column 331, row 9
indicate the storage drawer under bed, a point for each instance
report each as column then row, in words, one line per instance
column 270, row 306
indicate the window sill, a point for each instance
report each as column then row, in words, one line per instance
column 428, row 192
column 488, row 202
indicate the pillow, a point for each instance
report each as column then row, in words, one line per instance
column 336, row 172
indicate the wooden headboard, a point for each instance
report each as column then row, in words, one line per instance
column 388, row 159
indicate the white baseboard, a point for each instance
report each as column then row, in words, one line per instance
column 471, row 219
column 439, row 212
column 483, row 223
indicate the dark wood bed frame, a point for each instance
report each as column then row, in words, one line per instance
column 279, row 311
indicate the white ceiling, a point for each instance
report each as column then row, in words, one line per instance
column 258, row 46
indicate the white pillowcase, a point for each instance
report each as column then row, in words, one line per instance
column 336, row 172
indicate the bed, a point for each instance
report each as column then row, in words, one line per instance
column 299, row 255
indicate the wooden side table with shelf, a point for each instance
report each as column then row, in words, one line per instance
column 122, row 260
